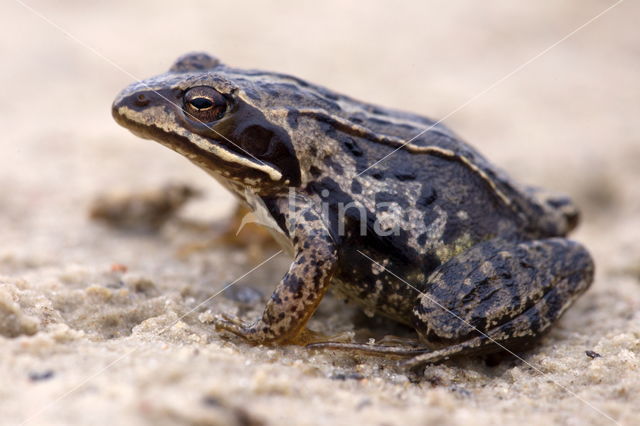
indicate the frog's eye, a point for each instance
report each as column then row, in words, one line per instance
column 204, row 104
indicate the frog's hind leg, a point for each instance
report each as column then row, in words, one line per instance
column 524, row 329
column 499, row 294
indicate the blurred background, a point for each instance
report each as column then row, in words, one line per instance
column 566, row 119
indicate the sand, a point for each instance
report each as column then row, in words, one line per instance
column 102, row 327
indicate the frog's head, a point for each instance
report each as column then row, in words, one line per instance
column 203, row 110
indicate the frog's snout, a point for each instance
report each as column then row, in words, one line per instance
column 122, row 101
column 123, row 113
column 135, row 108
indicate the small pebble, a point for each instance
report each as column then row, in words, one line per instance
column 211, row 401
column 41, row 375
column 592, row 354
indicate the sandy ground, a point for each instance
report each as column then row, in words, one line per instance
column 96, row 325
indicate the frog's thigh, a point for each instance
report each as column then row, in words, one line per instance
column 500, row 292
column 300, row 291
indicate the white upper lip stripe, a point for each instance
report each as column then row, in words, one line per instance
column 202, row 143
column 230, row 156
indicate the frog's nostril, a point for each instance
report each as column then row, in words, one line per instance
column 141, row 100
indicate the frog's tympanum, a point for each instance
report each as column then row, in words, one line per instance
column 411, row 224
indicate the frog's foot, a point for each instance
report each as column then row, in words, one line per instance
column 499, row 295
column 227, row 322
column 258, row 333
column 236, row 326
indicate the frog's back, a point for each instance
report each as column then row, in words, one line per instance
column 414, row 176
column 404, row 170
column 376, row 131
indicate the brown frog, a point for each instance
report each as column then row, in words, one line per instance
column 388, row 208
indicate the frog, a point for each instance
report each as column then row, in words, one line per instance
column 389, row 209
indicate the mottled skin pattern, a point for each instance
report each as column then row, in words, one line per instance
column 433, row 236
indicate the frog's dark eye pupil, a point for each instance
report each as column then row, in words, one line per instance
column 201, row 103
column 204, row 104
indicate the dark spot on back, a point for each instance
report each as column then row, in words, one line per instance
column 292, row 118
column 352, row 146
column 252, row 94
column 315, row 172
column 405, row 176
column 427, row 196
column 389, row 197
column 356, row 188
column 329, row 161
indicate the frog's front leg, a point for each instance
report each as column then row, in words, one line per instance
column 499, row 294
column 298, row 294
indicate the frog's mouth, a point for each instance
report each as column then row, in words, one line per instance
column 211, row 155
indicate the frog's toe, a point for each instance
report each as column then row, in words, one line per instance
column 255, row 333
column 232, row 324
column 224, row 317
